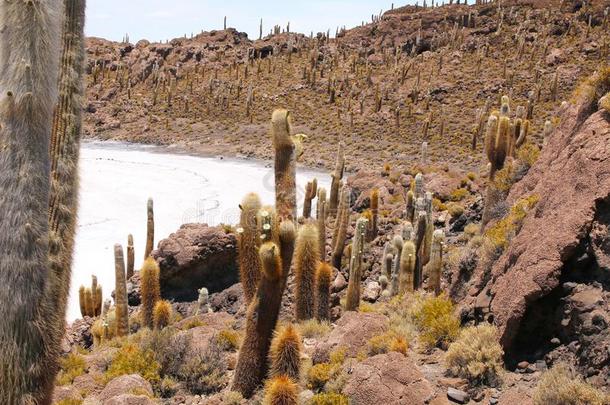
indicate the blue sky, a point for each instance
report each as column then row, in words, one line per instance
column 166, row 19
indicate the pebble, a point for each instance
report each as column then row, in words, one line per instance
column 458, row 396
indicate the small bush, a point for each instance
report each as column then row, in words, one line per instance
column 455, row 210
column 471, row 230
column 438, row 205
column 232, row 398
column 435, row 319
column 169, row 348
column 168, row 387
column 476, row 355
column 228, row 339
column 318, row 375
column 338, row 355
column 527, row 155
column 458, row 194
column 387, row 342
column 69, row 401
column 560, row 386
column 471, row 176
column 71, row 366
column 505, row 229
column 130, row 359
column 331, row 398
column 313, row 328
column 205, row 372
column 193, row 323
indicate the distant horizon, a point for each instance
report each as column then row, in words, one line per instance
column 158, row 21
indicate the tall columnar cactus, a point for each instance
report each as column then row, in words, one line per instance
column 386, row 260
column 90, row 299
column 497, row 142
column 130, row 256
column 261, row 319
column 281, row 391
column 355, row 272
column 397, row 243
column 285, row 353
column 203, row 306
column 151, row 290
column 322, row 288
column 435, row 265
column 372, row 234
column 120, row 293
column 150, row 228
column 268, row 224
column 307, row 256
column 311, row 190
column 321, row 221
column 419, row 186
column 340, row 232
column 419, row 238
column 162, row 314
column 337, row 175
column 39, row 208
column 248, row 243
column 285, row 165
column 408, row 258
column 287, row 238
column 410, row 205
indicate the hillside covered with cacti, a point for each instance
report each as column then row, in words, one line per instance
column 460, row 253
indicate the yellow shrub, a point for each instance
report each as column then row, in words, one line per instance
column 560, row 386
column 435, row 319
column 71, row 366
column 337, row 355
column 318, row 375
column 387, row 342
column 131, row 360
column 228, row 339
column 471, row 176
column 329, row 399
column 476, row 355
column 438, row 205
column 528, row 154
column 455, row 210
column 69, row 401
column 502, row 231
column 193, row 323
column 458, row 194
column 313, row 328
column 504, row 178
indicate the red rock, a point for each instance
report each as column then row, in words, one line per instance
column 125, row 384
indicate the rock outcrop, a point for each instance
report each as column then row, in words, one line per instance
column 196, row 256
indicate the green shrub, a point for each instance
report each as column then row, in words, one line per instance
column 313, row 328
column 168, row 387
column 560, row 386
column 331, row 398
column 476, row 355
column 130, row 359
column 71, row 366
column 205, row 372
column 170, row 349
column 435, row 319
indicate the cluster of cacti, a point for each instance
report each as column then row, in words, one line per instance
column 355, row 265
column 306, row 258
column 150, row 228
column 90, row 299
column 150, row 290
column 311, row 191
column 340, row 228
column 38, row 172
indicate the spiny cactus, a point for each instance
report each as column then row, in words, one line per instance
column 162, row 314
column 387, row 257
column 337, row 175
column 268, row 224
column 321, row 221
column 310, row 193
column 281, row 391
column 151, row 290
column 248, row 243
column 306, row 261
column 322, row 288
column 285, row 165
column 419, row 238
column 130, row 256
column 397, row 244
column 408, row 258
column 419, row 189
column 287, row 238
column 497, row 142
column 410, row 205
column 90, row 299
column 355, row 273
column 150, row 228
column 372, row 229
column 202, row 301
column 285, row 353
column 261, row 319
column 340, row 232
column 435, row 265
column 120, row 293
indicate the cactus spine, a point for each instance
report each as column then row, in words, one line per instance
column 151, row 290
column 321, row 220
column 306, row 260
column 435, row 265
column 337, row 175
column 322, row 299
column 408, row 258
column 285, row 165
column 310, row 193
column 281, row 391
column 285, row 353
column 120, row 293
column 248, row 243
column 150, row 228
column 355, row 273
column 162, row 314
column 130, row 256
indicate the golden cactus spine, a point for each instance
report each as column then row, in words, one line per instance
column 355, row 273
column 151, row 290
column 285, row 165
column 285, row 353
column 162, row 314
column 130, row 256
column 337, row 175
column 120, row 293
column 287, row 239
column 321, row 221
column 311, row 189
column 306, row 262
column 150, row 228
column 322, row 289
column 281, row 391
column 340, row 232
column 248, row 243
column 408, row 258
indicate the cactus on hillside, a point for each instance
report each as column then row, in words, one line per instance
column 151, row 289
column 248, row 243
column 285, row 353
column 337, row 175
column 321, row 221
column 419, row 239
column 120, row 293
column 397, row 244
column 285, row 165
column 386, row 260
column 287, row 239
column 281, row 391
column 410, row 205
column 435, row 266
column 340, row 232
column 150, row 228
column 203, row 306
column 372, row 228
column 306, row 258
column 322, row 289
column 408, row 258
column 310, row 193
column 162, row 314
column 355, row 272
column 130, row 256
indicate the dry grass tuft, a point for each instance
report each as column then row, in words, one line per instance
column 561, row 386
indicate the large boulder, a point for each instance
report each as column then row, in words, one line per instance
column 560, row 240
column 389, row 379
column 196, row 256
column 125, row 384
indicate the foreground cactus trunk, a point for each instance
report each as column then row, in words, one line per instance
column 285, row 166
column 38, row 192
